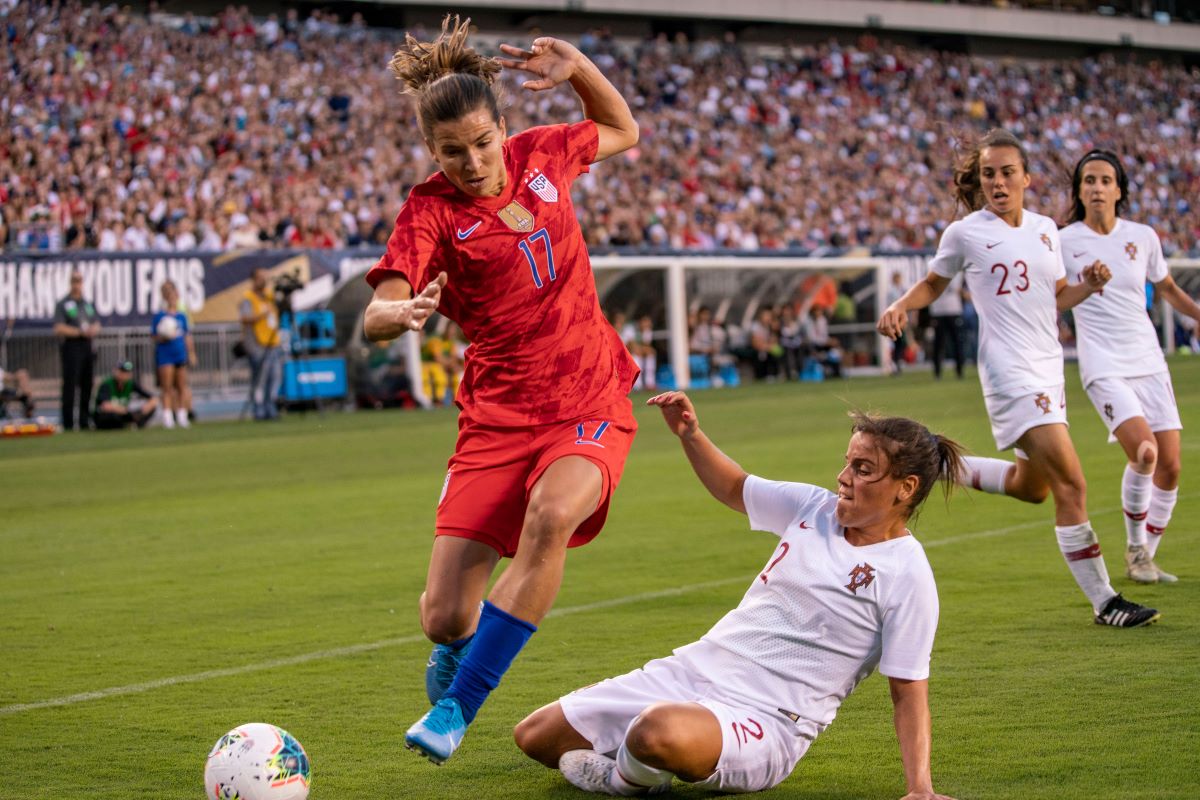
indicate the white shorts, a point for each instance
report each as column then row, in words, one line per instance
column 759, row 748
column 1150, row 396
column 1017, row 410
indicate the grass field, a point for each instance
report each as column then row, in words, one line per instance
column 158, row 588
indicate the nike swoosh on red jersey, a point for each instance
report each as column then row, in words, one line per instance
column 993, row 244
column 464, row 234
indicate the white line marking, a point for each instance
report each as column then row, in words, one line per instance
column 355, row 649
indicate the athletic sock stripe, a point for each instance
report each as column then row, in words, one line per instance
column 1135, row 516
column 1155, row 531
column 1091, row 551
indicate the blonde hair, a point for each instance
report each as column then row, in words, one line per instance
column 447, row 77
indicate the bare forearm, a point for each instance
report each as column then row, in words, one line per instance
column 605, row 106
column 1181, row 302
column 914, row 733
column 719, row 473
column 1073, row 295
column 381, row 322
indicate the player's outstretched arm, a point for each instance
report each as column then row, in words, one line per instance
column 922, row 293
column 910, row 699
column 719, row 473
column 553, row 61
column 1170, row 291
column 393, row 309
column 1068, row 295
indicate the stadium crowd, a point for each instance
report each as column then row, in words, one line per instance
column 133, row 132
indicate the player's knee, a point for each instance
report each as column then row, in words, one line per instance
column 446, row 623
column 1147, row 457
column 547, row 523
column 654, row 740
column 535, row 737
column 1167, row 472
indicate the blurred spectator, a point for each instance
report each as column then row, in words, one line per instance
column 765, row 347
column 76, row 324
column 823, row 347
column 15, row 386
column 640, row 341
column 260, row 338
column 121, row 401
column 123, row 125
column 948, row 327
column 791, row 339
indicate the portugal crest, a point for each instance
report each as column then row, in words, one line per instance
column 1042, row 401
column 861, row 577
column 1046, row 241
column 517, row 217
column 1131, row 250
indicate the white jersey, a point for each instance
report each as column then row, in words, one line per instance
column 822, row 613
column 1116, row 338
column 1011, row 274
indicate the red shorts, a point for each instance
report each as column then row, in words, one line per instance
column 493, row 470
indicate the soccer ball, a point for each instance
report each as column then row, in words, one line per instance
column 168, row 327
column 257, row 761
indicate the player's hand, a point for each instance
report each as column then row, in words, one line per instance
column 551, row 60
column 677, row 411
column 413, row 313
column 892, row 323
column 1096, row 274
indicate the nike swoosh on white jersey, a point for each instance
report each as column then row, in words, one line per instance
column 993, row 244
column 464, row 234
column 1077, row 255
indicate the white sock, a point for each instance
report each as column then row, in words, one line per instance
column 182, row 418
column 1081, row 549
column 168, row 419
column 633, row 777
column 1135, row 499
column 1162, row 503
column 985, row 474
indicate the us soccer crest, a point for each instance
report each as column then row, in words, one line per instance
column 861, row 577
column 1042, row 401
column 1046, row 241
column 1131, row 249
column 541, row 185
column 517, row 217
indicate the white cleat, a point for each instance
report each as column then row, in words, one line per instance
column 1138, row 566
column 1163, row 577
column 588, row 770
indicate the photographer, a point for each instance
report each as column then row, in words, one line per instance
column 260, row 337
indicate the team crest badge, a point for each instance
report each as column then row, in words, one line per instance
column 861, row 577
column 1131, row 249
column 1108, row 412
column 517, row 217
column 1046, row 241
column 1042, row 401
column 542, row 186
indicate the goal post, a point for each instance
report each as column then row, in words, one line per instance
column 679, row 287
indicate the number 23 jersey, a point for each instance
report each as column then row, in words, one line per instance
column 520, row 284
column 1011, row 274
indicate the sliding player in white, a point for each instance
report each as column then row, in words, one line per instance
column 847, row 589
column 1012, row 263
column 1120, row 361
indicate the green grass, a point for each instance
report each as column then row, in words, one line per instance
column 127, row 559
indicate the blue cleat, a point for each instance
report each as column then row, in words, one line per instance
column 439, row 733
column 441, row 669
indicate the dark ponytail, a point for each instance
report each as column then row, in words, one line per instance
column 448, row 79
column 912, row 449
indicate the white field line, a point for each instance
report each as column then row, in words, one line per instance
column 356, row 649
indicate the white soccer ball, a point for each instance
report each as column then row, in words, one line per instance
column 168, row 327
column 257, row 761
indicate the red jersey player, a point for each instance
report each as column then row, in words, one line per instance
column 492, row 242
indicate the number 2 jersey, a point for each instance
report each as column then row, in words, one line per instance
column 1115, row 335
column 1011, row 274
column 822, row 613
column 520, row 284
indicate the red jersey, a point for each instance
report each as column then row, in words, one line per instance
column 520, row 284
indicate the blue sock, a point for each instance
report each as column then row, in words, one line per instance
column 498, row 639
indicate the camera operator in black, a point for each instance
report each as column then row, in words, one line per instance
column 76, row 323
